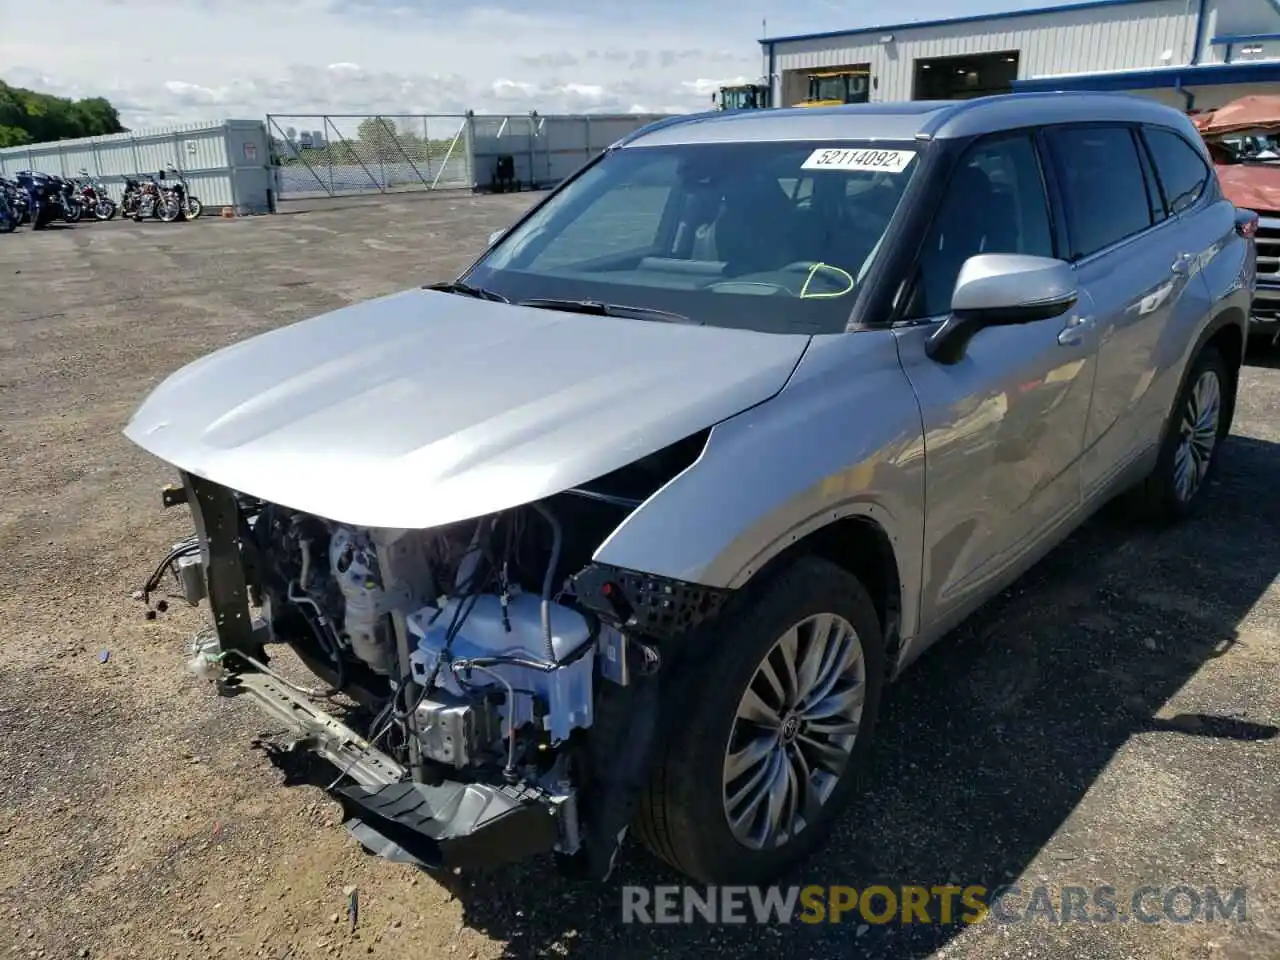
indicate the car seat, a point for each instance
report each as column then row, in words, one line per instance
column 756, row 232
column 972, row 220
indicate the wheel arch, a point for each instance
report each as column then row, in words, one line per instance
column 859, row 544
column 1226, row 332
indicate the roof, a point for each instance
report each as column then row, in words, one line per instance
column 948, row 21
column 917, row 119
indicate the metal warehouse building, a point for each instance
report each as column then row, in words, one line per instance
column 1193, row 54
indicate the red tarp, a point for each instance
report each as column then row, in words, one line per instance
column 1258, row 113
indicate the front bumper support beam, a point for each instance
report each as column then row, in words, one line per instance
column 315, row 730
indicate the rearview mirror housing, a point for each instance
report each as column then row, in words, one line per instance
column 1001, row 289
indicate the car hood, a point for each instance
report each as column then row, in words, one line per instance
column 424, row 408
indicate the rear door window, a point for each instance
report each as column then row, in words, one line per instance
column 1105, row 194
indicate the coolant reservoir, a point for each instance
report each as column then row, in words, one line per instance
column 566, row 690
column 483, row 633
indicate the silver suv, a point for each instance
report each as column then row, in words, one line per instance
column 631, row 523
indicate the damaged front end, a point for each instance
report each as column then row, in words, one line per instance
column 511, row 682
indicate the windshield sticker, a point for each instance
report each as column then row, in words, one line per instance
column 842, row 280
column 880, row 161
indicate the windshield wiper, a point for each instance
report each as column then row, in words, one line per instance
column 467, row 290
column 599, row 309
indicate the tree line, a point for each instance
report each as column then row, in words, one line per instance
column 30, row 117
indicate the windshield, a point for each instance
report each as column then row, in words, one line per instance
column 773, row 237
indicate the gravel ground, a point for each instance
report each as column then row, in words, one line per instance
column 1111, row 720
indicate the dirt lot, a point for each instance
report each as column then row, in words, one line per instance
column 1111, row 721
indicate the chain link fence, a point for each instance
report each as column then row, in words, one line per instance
column 340, row 155
column 329, row 155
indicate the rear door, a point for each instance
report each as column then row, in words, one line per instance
column 1193, row 198
column 1004, row 427
column 1131, row 258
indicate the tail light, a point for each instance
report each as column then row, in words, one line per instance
column 1246, row 223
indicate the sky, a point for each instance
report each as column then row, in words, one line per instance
column 178, row 61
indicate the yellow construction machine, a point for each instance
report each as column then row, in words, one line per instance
column 744, row 96
column 830, row 88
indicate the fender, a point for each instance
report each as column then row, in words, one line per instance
column 843, row 438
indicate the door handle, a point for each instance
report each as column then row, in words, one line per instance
column 1182, row 265
column 1072, row 335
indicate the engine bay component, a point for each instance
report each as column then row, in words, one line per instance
column 500, row 643
column 482, row 667
column 454, row 731
column 365, row 626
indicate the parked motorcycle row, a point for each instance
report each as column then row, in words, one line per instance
column 39, row 199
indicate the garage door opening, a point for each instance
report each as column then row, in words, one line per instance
column 959, row 78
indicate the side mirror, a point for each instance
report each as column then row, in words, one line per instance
column 495, row 236
column 1001, row 289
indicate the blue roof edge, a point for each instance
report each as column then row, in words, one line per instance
column 1162, row 78
column 1244, row 38
column 947, row 21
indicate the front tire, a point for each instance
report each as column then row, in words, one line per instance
column 169, row 209
column 194, row 208
column 774, row 730
column 1189, row 455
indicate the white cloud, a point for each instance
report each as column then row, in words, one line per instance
column 300, row 57
column 705, row 88
column 211, row 59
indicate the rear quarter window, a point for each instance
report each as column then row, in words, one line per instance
column 1184, row 175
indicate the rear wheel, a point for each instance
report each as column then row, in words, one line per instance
column 1188, row 456
column 774, row 730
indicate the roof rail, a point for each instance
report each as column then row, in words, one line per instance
column 663, row 124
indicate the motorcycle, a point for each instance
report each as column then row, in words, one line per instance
column 147, row 203
column 72, row 208
column 177, row 202
column 94, row 198
column 130, row 197
column 16, row 198
column 8, row 217
column 44, row 197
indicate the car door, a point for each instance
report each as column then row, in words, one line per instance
column 1191, row 198
column 1004, row 427
column 1129, row 255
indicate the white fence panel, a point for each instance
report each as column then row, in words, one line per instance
column 545, row 150
column 201, row 151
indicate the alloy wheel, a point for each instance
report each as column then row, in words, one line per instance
column 1200, row 422
column 794, row 731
